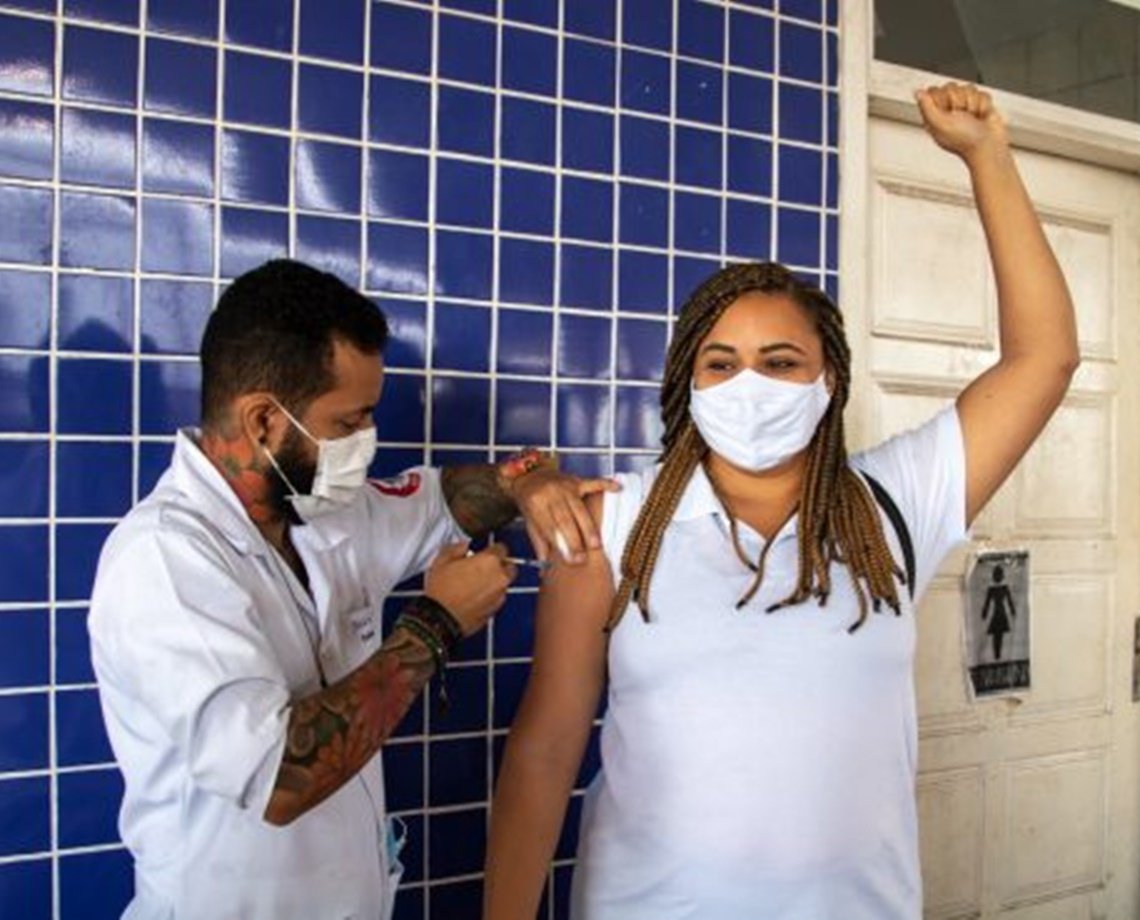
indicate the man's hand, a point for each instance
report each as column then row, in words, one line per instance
column 472, row 588
column 553, row 507
column 333, row 733
column 962, row 120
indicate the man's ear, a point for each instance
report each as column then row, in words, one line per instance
column 259, row 419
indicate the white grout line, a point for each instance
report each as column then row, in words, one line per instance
column 429, row 363
column 671, row 241
column 136, row 274
column 53, row 461
column 521, row 95
column 218, row 121
column 814, row 24
column 365, row 134
column 432, row 230
column 294, row 127
column 824, row 165
column 618, row 248
column 492, row 364
column 726, row 37
column 259, row 206
column 556, row 305
column 774, row 234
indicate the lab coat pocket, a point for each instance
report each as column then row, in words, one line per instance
column 396, row 835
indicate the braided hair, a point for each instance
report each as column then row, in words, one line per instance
column 839, row 520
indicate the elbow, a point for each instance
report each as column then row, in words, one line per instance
column 1058, row 369
column 1070, row 363
column 1064, row 371
column 548, row 761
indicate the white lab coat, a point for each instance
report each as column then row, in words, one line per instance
column 201, row 639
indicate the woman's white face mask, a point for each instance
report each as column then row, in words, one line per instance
column 756, row 422
column 342, row 470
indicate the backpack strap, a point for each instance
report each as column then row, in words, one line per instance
column 883, row 497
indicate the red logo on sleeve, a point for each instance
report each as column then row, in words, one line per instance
column 399, row 487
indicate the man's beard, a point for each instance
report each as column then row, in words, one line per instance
column 300, row 470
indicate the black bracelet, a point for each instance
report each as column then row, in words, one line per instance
column 438, row 619
column 433, row 624
column 427, row 637
column 415, row 627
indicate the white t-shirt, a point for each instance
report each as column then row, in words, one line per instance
column 761, row 766
column 201, row 639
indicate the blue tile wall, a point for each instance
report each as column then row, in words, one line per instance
column 529, row 188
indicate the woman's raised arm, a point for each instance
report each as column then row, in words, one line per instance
column 1005, row 408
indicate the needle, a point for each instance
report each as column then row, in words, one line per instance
column 541, row 564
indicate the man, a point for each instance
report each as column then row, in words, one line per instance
column 236, row 615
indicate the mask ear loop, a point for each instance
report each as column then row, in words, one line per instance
column 299, row 426
column 269, row 454
column 276, row 466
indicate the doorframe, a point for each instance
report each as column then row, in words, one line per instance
column 875, row 88
column 870, row 88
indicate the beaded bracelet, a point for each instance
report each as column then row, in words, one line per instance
column 433, row 624
column 438, row 654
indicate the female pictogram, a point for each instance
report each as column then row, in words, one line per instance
column 1000, row 600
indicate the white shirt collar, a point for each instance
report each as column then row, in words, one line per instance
column 699, row 500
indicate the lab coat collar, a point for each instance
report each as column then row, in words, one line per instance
column 202, row 482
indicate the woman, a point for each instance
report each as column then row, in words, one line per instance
column 757, row 631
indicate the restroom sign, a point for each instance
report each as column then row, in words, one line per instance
column 997, row 623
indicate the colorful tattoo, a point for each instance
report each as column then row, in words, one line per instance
column 525, row 461
column 477, row 499
column 245, row 471
column 334, row 733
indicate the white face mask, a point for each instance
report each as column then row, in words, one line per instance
column 756, row 422
column 342, row 469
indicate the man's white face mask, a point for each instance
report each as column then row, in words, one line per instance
column 342, row 469
column 757, row 422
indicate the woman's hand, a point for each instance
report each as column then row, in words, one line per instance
column 962, row 120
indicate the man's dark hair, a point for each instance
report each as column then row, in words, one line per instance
column 274, row 329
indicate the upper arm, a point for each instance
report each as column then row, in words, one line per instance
column 924, row 472
column 569, row 667
column 407, row 522
column 1002, row 412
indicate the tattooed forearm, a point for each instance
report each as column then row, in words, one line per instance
column 476, row 498
column 334, row 733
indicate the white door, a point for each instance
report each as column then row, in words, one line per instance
column 1028, row 809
